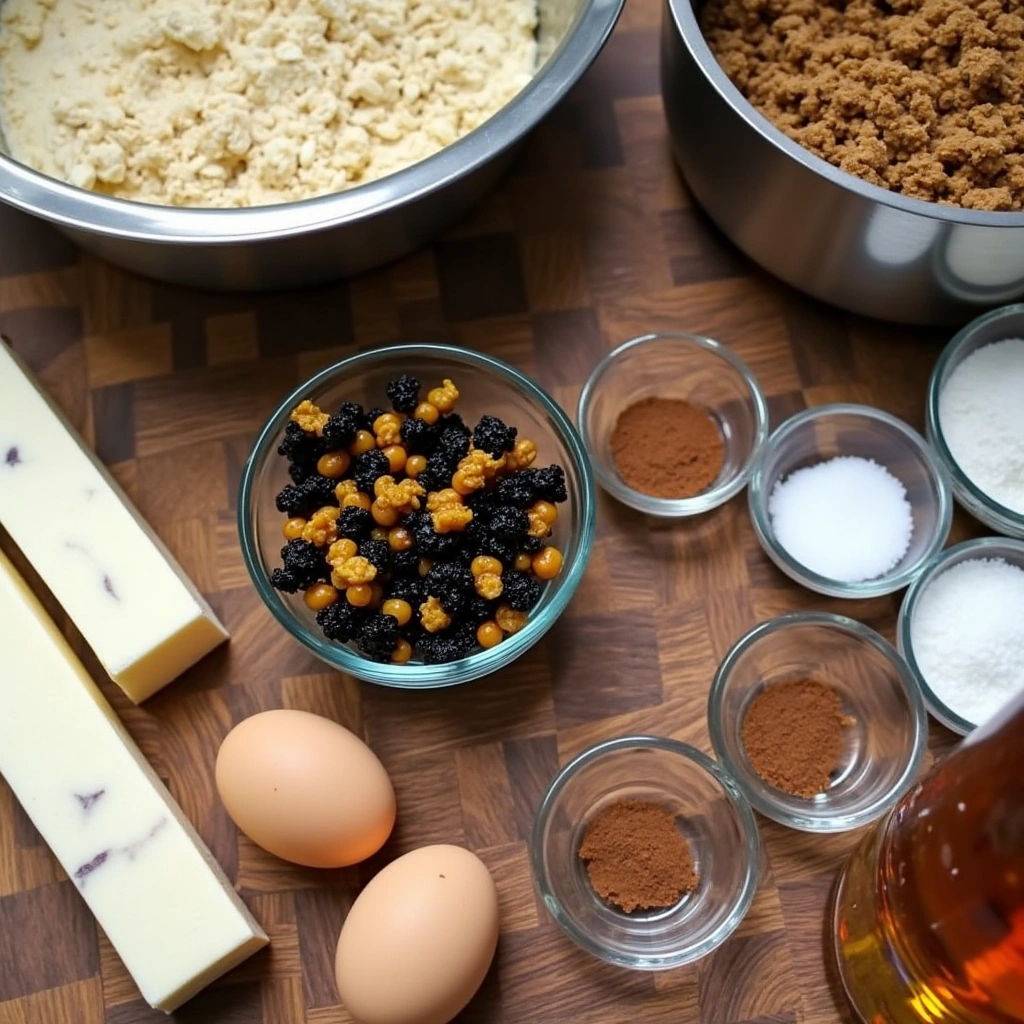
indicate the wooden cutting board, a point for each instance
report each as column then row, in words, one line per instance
column 591, row 240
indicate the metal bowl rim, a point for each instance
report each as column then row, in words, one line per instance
column 69, row 207
column 685, row 24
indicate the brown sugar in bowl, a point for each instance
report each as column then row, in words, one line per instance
column 819, row 228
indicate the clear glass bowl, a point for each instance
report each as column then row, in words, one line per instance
column 487, row 386
column 883, row 746
column 683, row 366
column 1010, row 551
column 715, row 818
column 826, row 431
column 997, row 325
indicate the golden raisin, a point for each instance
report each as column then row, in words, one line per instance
column 405, row 496
column 353, row 571
column 378, row 533
column 414, row 465
column 484, row 563
column 438, row 499
column 489, row 634
column 426, row 412
column 399, row 538
column 402, row 652
column 340, row 550
column 397, row 609
column 465, row 484
column 359, row 595
column 521, row 456
column 320, row 595
column 444, row 397
column 359, row 500
column 424, row 566
column 321, row 528
column 449, row 518
column 383, row 513
column 545, row 511
column 488, row 585
column 364, row 442
column 432, row 616
column 343, row 489
column 310, row 417
column 388, row 429
column 547, row 563
column 509, row 619
column 292, row 529
column 523, row 562
column 333, row 464
column 396, row 457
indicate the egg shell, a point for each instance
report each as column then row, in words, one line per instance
column 419, row 939
column 305, row 789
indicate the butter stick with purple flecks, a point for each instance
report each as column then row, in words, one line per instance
column 152, row 884
column 143, row 618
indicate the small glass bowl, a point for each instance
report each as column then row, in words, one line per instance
column 682, row 366
column 487, row 386
column 997, row 325
column 713, row 815
column 883, row 746
column 1010, row 551
column 826, row 431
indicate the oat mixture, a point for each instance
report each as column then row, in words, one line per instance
column 228, row 103
column 923, row 97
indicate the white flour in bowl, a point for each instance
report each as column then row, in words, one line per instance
column 229, row 103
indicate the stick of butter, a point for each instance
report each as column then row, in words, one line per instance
column 152, row 884
column 144, row 619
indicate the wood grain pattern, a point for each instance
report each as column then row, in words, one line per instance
column 592, row 239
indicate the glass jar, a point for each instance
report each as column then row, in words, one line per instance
column 929, row 912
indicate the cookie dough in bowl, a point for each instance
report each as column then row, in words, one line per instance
column 238, row 103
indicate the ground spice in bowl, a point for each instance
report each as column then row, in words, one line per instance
column 793, row 735
column 667, row 448
column 636, row 857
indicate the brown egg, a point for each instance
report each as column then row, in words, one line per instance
column 305, row 789
column 432, row 913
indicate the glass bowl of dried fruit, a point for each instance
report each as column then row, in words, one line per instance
column 417, row 515
column 645, row 852
column 819, row 720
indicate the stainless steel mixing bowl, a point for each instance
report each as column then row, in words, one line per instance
column 292, row 244
column 818, row 228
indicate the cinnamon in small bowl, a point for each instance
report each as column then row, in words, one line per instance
column 673, row 424
column 667, row 448
column 819, row 721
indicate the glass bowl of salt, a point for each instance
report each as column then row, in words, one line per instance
column 975, row 417
column 961, row 630
column 849, row 501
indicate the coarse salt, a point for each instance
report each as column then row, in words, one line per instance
column 981, row 413
column 847, row 518
column 967, row 636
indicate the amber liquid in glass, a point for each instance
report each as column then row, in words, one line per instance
column 929, row 914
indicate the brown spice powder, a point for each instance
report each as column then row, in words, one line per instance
column 636, row 857
column 667, row 448
column 793, row 734
column 923, row 97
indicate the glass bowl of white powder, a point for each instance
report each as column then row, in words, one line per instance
column 961, row 630
column 975, row 418
column 849, row 501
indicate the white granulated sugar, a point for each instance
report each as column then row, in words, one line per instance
column 228, row 103
column 967, row 636
column 981, row 412
column 847, row 519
